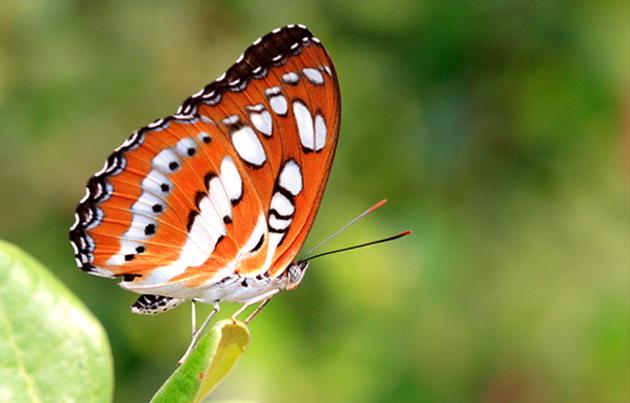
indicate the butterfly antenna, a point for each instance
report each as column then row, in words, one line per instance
column 391, row 238
column 345, row 227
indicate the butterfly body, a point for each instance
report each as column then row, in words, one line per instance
column 235, row 288
column 214, row 203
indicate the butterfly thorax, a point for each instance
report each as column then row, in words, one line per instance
column 245, row 290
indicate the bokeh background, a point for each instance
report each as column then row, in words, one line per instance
column 498, row 130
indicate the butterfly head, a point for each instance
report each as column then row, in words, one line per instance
column 295, row 274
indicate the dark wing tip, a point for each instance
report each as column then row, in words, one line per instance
column 271, row 49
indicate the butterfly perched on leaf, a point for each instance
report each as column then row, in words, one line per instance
column 214, row 202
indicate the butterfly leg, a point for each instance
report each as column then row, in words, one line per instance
column 198, row 333
column 193, row 318
column 258, row 309
column 264, row 298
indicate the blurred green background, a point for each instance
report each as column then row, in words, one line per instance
column 498, row 130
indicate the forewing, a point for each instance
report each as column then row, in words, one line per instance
column 230, row 184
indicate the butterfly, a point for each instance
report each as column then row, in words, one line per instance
column 213, row 203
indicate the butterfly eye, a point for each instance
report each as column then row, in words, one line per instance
column 295, row 274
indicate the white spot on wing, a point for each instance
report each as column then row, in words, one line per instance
column 154, row 181
column 279, row 224
column 164, row 159
column 145, row 203
column 248, row 146
column 282, row 205
column 273, row 91
column 255, row 108
column 304, row 122
column 277, row 101
column 219, row 197
column 230, row 120
column 136, row 232
column 183, row 146
column 262, row 120
column 290, row 178
column 290, row 77
column 320, row 132
column 231, row 179
column 209, row 213
column 278, row 104
column 199, row 245
column 313, row 75
column 137, row 228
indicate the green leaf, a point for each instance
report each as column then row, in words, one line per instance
column 51, row 347
column 210, row 361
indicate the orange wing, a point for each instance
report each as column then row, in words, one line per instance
column 228, row 185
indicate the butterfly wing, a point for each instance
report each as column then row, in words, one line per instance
column 229, row 185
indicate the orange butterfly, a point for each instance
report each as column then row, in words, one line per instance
column 213, row 203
